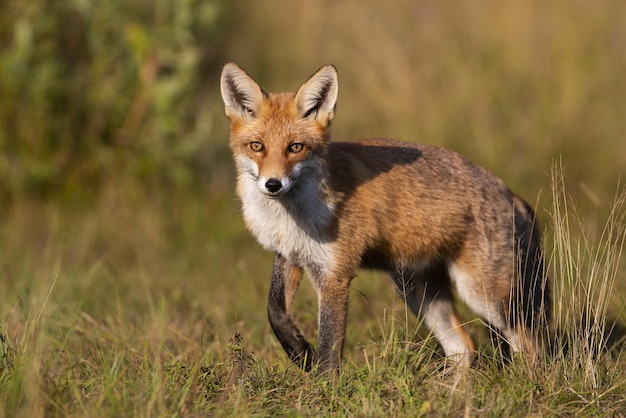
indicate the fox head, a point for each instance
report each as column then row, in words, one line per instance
column 278, row 138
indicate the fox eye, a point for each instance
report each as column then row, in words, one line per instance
column 296, row 147
column 256, row 146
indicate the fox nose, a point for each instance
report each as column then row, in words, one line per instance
column 273, row 185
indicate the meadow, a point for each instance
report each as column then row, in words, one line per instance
column 129, row 285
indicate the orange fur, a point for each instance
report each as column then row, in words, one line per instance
column 427, row 216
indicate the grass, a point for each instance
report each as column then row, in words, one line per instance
column 170, row 320
column 128, row 284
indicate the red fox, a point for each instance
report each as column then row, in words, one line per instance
column 425, row 215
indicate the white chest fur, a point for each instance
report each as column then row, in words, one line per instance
column 293, row 225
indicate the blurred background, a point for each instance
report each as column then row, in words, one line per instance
column 102, row 94
column 114, row 164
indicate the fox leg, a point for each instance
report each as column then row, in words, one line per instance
column 441, row 318
column 428, row 295
column 333, row 311
column 285, row 280
column 525, row 318
column 518, row 311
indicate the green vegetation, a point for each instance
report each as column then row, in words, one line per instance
column 128, row 283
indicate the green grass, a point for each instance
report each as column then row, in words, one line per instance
column 128, row 283
column 144, row 307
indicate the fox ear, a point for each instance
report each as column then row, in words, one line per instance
column 241, row 94
column 317, row 97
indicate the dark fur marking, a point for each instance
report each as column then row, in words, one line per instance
column 238, row 96
column 319, row 99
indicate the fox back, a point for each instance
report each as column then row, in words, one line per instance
column 427, row 216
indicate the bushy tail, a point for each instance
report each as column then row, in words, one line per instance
column 532, row 301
